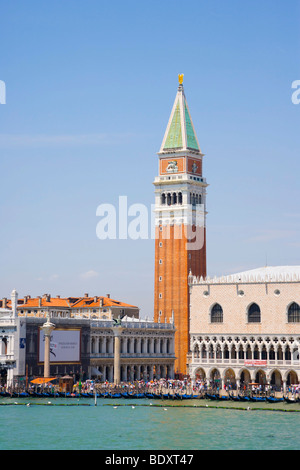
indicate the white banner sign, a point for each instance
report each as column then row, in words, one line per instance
column 64, row 346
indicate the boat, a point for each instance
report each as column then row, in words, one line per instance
column 115, row 395
column 235, row 398
column 186, row 397
column 223, row 397
column 257, row 399
column 290, row 400
column 274, row 399
column 243, row 398
column 149, row 395
column 211, row 397
column 157, row 396
column 174, row 396
column 85, row 395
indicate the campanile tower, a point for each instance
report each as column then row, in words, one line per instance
column 180, row 212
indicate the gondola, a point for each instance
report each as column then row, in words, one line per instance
column 290, row 400
column 243, row 398
column 85, row 395
column 157, row 396
column 211, row 397
column 223, row 398
column 115, row 395
column 186, row 397
column 274, row 399
column 149, row 395
column 172, row 396
column 235, row 398
column 257, row 399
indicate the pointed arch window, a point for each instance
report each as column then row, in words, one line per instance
column 216, row 315
column 254, row 314
column 294, row 313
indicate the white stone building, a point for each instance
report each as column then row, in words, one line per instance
column 147, row 350
column 246, row 327
column 12, row 343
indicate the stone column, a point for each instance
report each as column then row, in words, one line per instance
column 117, row 333
column 47, row 328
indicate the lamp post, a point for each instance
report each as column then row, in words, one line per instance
column 47, row 328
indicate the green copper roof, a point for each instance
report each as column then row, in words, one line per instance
column 190, row 134
column 174, row 138
column 180, row 134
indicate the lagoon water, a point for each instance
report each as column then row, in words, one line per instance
column 150, row 425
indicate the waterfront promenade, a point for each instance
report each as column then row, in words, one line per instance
column 163, row 389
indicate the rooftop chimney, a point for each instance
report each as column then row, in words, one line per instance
column 86, row 295
column 108, row 296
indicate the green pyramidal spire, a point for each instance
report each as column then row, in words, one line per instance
column 180, row 133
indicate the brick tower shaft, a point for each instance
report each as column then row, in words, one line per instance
column 180, row 241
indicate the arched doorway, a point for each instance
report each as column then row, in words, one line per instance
column 245, row 377
column 200, row 374
column 292, row 378
column 229, row 379
column 215, row 378
column 260, row 377
column 276, row 380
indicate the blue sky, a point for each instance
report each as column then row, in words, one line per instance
column 89, row 90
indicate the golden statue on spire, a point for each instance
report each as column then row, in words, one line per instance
column 180, row 78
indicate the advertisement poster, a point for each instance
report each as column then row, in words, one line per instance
column 64, row 346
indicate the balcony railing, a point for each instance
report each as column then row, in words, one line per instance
column 241, row 362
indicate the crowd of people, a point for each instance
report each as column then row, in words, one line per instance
column 162, row 386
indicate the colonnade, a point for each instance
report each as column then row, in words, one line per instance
column 104, row 344
column 133, row 372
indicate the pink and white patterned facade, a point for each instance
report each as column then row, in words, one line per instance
column 246, row 327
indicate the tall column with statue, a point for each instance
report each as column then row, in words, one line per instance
column 117, row 329
column 47, row 328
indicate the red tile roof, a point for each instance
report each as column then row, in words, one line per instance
column 68, row 302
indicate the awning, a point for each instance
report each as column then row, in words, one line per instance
column 95, row 371
column 42, row 380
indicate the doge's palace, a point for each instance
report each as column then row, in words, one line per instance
column 245, row 327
